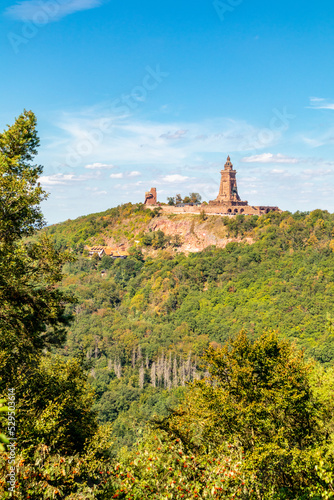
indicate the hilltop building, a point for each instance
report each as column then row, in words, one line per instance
column 114, row 253
column 228, row 199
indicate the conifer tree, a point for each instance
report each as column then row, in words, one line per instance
column 32, row 316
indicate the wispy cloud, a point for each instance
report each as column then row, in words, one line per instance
column 316, row 139
column 179, row 134
column 92, row 135
column 33, row 10
column 61, row 179
column 270, row 158
column 96, row 191
column 121, row 175
column 321, row 103
column 320, row 172
column 99, row 166
column 174, row 178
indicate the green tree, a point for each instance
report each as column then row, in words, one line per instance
column 20, row 191
column 33, row 313
column 136, row 252
column 259, row 398
column 53, row 402
column 195, row 197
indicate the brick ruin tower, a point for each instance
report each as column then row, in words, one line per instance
column 151, row 197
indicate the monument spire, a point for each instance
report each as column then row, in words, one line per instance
column 228, row 165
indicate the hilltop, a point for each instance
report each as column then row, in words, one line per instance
column 131, row 225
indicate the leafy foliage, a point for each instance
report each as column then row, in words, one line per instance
column 236, row 415
column 173, row 306
column 53, row 411
column 255, row 428
column 259, row 397
column 20, row 192
column 33, row 309
column 159, row 467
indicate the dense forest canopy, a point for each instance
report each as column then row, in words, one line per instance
column 162, row 375
column 149, row 320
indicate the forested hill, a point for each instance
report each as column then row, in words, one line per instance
column 144, row 323
column 135, row 225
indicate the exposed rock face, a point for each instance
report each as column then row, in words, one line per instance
column 194, row 235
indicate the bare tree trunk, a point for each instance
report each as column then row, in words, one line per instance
column 175, row 377
column 167, row 370
column 160, row 368
column 182, row 372
column 195, row 375
column 133, row 360
column 141, row 376
column 153, row 374
column 188, row 367
column 117, row 368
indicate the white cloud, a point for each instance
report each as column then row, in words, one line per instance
column 116, row 176
column 270, row 158
column 321, row 103
column 174, row 178
column 134, row 173
column 99, row 166
column 44, row 12
column 60, row 179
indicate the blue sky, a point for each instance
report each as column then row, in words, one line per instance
column 136, row 95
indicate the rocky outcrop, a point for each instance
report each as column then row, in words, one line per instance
column 195, row 235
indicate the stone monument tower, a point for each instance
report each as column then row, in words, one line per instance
column 228, row 200
column 228, row 191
